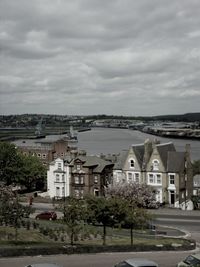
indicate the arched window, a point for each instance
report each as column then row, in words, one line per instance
column 155, row 165
column 132, row 163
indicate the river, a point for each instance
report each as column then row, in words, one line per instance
column 113, row 141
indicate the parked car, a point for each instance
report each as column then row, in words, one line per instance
column 191, row 261
column 43, row 265
column 47, row 215
column 136, row 262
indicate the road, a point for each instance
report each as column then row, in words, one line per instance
column 182, row 220
column 164, row 259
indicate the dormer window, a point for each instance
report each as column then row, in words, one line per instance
column 59, row 165
column 78, row 167
column 155, row 165
column 132, row 163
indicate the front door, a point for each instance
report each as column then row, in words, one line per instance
column 172, row 197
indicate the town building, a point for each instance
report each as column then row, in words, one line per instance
column 160, row 166
column 78, row 176
column 46, row 149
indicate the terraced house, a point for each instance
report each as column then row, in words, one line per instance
column 159, row 165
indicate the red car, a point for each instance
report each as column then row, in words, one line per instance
column 47, row 215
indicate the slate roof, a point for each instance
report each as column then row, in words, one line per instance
column 163, row 150
column 176, row 161
column 94, row 162
column 121, row 160
column 139, row 153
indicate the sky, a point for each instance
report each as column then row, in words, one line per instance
column 88, row 57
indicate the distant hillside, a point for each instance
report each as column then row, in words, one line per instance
column 188, row 117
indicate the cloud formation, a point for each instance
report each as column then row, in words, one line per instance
column 85, row 57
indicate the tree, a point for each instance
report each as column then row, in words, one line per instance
column 32, row 172
column 136, row 197
column 10, row 163
column 106, row 211
column 74, row 213
column 135, row 217
column 16, row 168
column 11, row 211
column 140, row 195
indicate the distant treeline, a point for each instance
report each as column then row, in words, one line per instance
column 31, row 120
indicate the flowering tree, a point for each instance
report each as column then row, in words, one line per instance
column 136, row 197
column 141, row 195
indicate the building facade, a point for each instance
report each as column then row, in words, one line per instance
column 78, row 177
column 160, row 166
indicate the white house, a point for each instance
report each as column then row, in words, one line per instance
column 58, row 179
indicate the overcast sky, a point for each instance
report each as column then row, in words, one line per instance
column 83, row 57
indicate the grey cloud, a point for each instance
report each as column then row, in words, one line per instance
column 89, row 56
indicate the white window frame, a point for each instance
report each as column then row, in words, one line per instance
column 155, row 164
column 96, row 179
column 57, row 178
column 170, row 176
column 76, row 179
column 132, row 162
column 154, row 177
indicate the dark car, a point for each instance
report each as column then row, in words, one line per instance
column 47, row 215
column 43, row 265
column 191, row 260
column 137, row 262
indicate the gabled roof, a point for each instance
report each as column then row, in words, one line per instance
column 139, row 153
column 94, row 162
column 176, row 161
column 121, row 158
column 163, row 150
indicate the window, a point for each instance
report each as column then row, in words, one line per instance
column 155, row 179
column 171, row 179
column 137, row 177
column 81, row 180
column 76, row 180
column 78, row 167
column 132, row 163
column 39, row 155
column 151, row 179
column 57, row 178
column 78, row 193
column 155, row 165
column 57, row 191
column 96, row 179
column 63, row 178
column 159, row 179
column 44, row 156
column 130, row 177
column 59, row 165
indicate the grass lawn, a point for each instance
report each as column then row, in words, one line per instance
column 57, row 231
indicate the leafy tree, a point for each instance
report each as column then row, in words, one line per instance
column 11, row 211
column 32, row 172
column 10, row 163
column 74, row 213
column 20, row 169
column 135, row 217
column 107, row 211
